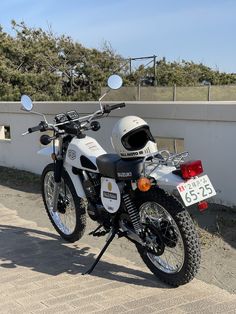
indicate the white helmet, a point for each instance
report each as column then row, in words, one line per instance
column 132, row 138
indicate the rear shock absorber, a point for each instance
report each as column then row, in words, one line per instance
column 133, row 213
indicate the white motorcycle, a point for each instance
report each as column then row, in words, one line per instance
column 124, row 192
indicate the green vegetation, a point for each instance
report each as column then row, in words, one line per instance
column 186, row 73
column 50, row 67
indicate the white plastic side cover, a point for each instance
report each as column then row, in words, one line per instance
column 110, row 195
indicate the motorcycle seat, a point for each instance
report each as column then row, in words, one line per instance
column 112, row 166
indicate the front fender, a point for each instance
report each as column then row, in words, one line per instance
column 75, row 180
column 47, row 151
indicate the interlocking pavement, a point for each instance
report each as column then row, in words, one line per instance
column 40, row 273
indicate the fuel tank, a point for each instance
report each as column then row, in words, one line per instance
column 82, row 153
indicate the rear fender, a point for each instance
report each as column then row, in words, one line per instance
column 165, row 177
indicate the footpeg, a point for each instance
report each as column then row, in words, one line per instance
column 99, row 233
column 121, row 234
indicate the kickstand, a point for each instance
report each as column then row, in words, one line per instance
column 109, row 240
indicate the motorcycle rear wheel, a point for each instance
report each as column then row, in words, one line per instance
column 180, row 261
column 70, row 218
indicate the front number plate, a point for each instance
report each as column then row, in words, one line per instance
column 196, row 190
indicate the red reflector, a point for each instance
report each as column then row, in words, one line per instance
column 202, row 206
column 191, row 169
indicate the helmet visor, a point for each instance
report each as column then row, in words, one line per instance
column 137, row 138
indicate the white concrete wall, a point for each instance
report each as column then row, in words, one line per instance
column 208, row 129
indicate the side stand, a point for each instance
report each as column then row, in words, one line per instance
column 109, row 240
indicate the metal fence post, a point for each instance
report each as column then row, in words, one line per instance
column 209, row 92
column 174, row 92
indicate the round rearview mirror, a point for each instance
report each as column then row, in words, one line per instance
column 114, row 81
column 26, row 103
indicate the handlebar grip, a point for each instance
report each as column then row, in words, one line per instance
column 109, row 108
column 34, row 129
column 41, row 127
column 116, row 106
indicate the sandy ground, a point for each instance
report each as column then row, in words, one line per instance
column 20, row 191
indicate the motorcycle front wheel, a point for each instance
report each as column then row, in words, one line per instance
column 173, row 250
column 69, row 219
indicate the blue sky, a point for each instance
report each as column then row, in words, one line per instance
column 197, row 30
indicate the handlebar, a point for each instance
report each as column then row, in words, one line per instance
column 71, row 127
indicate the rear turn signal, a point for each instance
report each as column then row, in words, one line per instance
column 191, row 169
column 144, row 184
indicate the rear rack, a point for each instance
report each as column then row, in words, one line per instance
column 164, row 157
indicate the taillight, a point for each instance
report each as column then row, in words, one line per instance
column 191, row 169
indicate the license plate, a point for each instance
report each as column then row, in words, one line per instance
column 196, row 190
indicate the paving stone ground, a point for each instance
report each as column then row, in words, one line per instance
column 39, row 273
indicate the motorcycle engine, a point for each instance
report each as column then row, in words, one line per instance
column 96, row 211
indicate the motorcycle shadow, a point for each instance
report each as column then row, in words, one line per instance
column 45, row 252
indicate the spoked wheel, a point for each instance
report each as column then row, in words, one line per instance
column 70, row 219
column 172, row 252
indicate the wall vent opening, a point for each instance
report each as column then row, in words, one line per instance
column 173, row 145
column 5, row 132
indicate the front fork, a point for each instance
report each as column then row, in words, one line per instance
column 58, row 168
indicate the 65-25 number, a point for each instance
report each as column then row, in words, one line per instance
column 202, row 193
